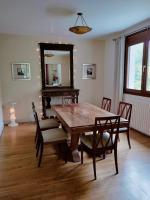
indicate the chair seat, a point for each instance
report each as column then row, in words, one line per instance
column 121, row 130
column 124, row 129
column 88, row 140
column 54, row 135
column 48, row 123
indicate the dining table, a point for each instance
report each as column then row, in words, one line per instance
column 79, row 118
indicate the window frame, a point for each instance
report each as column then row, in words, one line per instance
column 138, row 37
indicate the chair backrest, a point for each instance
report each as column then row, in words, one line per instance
column 35, row 115
column 38, row 126
column 125, row 110
column 106, row 104
column 37, row 120
column 69, row 99
column 106, row 124
column 34, row 111
column 33, row 107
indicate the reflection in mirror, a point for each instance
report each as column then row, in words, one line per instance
column 53, row 74
column 57, row 68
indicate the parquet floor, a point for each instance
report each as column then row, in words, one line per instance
column 20, row 179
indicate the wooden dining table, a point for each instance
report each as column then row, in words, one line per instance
column 78, row 119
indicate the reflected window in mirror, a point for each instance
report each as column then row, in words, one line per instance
column 57, row 68
column 53, row 74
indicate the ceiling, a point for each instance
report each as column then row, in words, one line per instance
column 54, row 17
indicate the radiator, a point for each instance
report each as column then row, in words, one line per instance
column 140, row 118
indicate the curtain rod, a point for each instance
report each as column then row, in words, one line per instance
column 137, row 30
column 132, row 32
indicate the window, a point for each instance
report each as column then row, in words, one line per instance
column 137, row 64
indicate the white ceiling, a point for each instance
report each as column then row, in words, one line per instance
column 54, row 17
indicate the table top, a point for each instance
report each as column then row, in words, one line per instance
column 79, row 117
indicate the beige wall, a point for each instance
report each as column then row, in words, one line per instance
column 12, row 50
column 23, row 49
column 109, row 70
column 90, row 52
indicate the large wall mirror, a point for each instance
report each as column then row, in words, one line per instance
column 56, row 65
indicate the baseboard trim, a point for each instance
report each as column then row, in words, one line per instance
column 32, row 122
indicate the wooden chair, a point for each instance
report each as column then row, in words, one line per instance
column 50, row 136
column 44, row 124
column 69, row 99
column 106, row 104
column 124, row 111
column 101, row 141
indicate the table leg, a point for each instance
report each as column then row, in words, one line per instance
column 74, row 147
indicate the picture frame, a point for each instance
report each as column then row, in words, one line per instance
column 89, row 71
column 21, row 71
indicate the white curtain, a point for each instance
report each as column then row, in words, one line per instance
column 1, row 113
column 118, row 71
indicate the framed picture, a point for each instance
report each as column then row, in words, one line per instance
column 89, row 71
column 21, row 71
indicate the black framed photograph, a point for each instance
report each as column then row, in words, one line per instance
column 21, row 71
column 89, row 71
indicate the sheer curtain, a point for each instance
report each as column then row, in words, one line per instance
column 1, row 112
column 118, row 70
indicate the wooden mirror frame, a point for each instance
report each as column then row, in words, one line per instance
column 59, row 47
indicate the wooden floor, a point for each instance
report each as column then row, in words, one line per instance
column 20, row 179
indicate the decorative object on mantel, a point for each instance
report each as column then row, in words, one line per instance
column 89, row 71
column 12, row 115
column 81, row 29
column 21, row 71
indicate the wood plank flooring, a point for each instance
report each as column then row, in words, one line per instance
column 20, row 179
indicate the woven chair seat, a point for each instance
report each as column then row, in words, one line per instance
column 48, row 123
column 54, row 135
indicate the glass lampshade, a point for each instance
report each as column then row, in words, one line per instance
column 80, row 29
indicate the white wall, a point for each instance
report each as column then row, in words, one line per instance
column 23, row 49
column 1, row 114
column 140, row 115
column 141, row 105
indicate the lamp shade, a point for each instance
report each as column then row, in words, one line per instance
column 80, row 29
column 12, row 115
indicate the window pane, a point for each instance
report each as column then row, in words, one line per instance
column 148, row 69
column 134, row 74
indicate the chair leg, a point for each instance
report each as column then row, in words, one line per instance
column 116, row 160
column 104, row 156
column 81, row 149
column 41, row 153
column 36, row 134
column 38, row 147
column 118, row 138
column 37, row 139
column 128, row 138
column 94, row 165
column 66, row 152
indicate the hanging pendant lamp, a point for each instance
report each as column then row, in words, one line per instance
column 81, row 29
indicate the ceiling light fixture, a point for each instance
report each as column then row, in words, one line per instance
column 48, row 55
column 82, row 28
